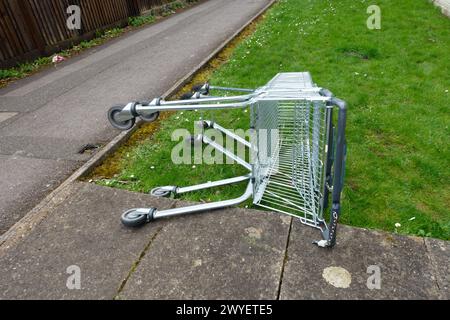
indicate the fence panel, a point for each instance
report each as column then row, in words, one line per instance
column 29, row 28
column 145, row 5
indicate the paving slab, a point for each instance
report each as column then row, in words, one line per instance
column 25, row 181
column 227, row 254
column 439, row 253
column 84, row 231
column 313, row 273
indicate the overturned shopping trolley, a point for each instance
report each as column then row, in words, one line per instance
column 298, row 150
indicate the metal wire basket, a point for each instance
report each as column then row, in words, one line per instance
column 298, row 150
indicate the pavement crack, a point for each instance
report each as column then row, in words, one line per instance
column 136, row 263
column 433, row 265
column 285, row 259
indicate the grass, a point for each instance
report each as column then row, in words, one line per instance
column 396, row 81
column 25, row 69
column 141, row 20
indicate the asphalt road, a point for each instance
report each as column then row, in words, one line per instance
column 46, row 119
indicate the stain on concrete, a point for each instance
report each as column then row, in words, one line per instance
column 338, row 277
column 198, row 263
column 254, row 233
column 286, row 219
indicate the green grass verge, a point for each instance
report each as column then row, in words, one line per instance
column 139, row 21
column 396, row 81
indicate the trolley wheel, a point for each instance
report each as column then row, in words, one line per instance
column 121, row 125
column 150, row 118
column 198, row 87
column 134, row 219
column 187, row 96
column 162, row 192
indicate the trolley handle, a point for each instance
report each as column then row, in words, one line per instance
column 340, row 146
column 326, row 93
column 339, row 163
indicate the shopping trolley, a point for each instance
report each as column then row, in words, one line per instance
column 297, row 149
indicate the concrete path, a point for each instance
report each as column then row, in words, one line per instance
column 227, row 254
column 46, row 119
column 444, row 5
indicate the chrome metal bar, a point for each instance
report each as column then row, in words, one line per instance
column 207, row 100
column 207, row 206
column 229, row 133
column 212, row 184
column 227, row 152
column 231, row 89
column 181, row 107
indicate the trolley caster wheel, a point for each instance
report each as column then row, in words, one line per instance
column 203, row 125
column 121, row 125
column 150, row 118
column 163, row 192
column 187, row 96
column 199, row 87
column 135, row 218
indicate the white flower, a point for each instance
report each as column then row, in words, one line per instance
column 398, row 225
column 193, row 167
column 152, row 167
column 412, row 219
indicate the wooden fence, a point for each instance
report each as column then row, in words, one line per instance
column 32, row 28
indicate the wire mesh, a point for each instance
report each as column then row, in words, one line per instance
column 290, row 152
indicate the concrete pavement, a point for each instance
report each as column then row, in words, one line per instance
column 226, row 254
column 46, row 119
